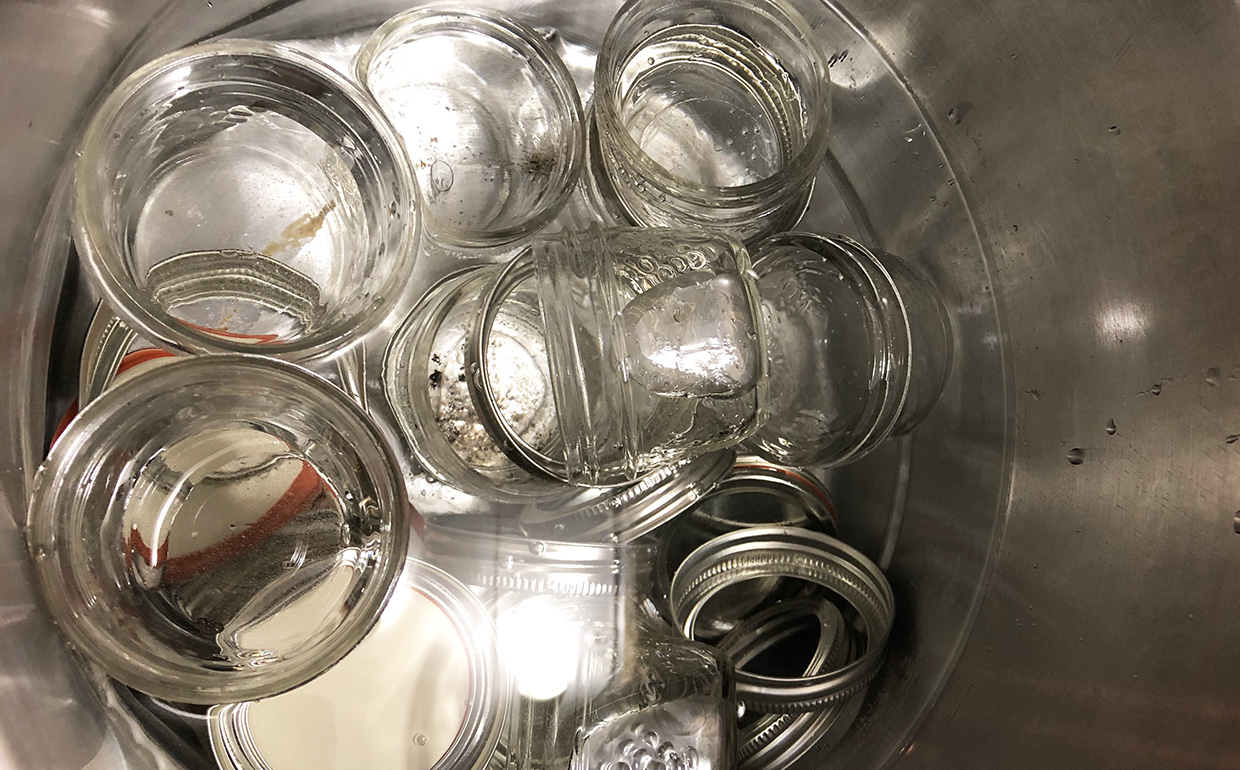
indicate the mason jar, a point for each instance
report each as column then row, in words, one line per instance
column 713, row 115
column 599, row 680
column 488, row 113
column 242, row 196
column 860, row 347
column 217, row 529
column 654, row 346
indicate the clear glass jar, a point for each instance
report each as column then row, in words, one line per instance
column 425, row 690
column 219, row 528
column 595, row 357
column 713, row 115
column 860, row 347
column 239, row 195
column 488, row 113
column 595, row 672
column 425, row 378
column 655, row 351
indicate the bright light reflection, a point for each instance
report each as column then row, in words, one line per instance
column 1121, row 321
column 541, row 644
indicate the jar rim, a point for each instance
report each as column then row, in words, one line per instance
column 895, row 349
column 54, row 519
column 105, row 263
column 537, row 53
column 802, row 164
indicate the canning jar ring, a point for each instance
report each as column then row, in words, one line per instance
column 795, row 553
column 774, row 736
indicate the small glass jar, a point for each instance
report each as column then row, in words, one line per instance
column 239, row 194
column 598, row 678
column 595, row 358
column 860, row 347
column 488, row 113
column 425, row 690
column 219, row 528
column 713, row 115
column 655, row 350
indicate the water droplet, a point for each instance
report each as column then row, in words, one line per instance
column 1213, row 375
column 1156, row 389
column 1076, row 456
column 1114, row 129
column 690, row 755
column 194, row 533
column 441, row 176
column 40, row 552
column 1233, row 438
column 650, row 60
column 1111, row 427
column 538, row 548
column 420, row 739
column 1236, row 526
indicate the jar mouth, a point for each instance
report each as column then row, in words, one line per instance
column 564, row 160
column 303, row 471
column 405, row 378
column 777, row 216
column 892, row 346
column 283, row 83
column 797, row 169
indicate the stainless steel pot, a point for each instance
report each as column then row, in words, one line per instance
column 1063, row 534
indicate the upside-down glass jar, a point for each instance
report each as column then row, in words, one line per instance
column 713, row 115
column 599, row 680
column 488, row 113
column 218, row 528
column 654, row 350
column 860, row 347
column 242, row 196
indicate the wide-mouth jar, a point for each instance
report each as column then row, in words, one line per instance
column 241, row 196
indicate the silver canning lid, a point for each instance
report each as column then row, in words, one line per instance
column 624, row 514
column 806, row 502
column 424, row 690
column 483, row 551
column 775, row 741
column 760, row 552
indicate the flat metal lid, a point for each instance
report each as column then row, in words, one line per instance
column 425, row 689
